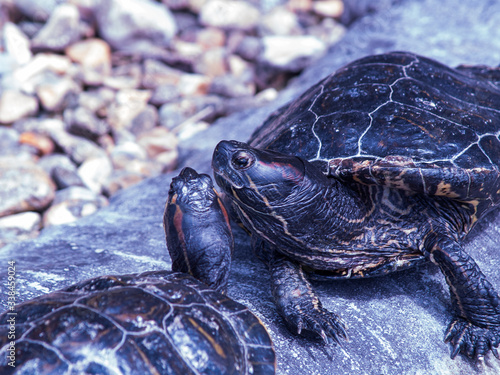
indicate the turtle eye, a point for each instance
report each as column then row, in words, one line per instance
column 242, row 160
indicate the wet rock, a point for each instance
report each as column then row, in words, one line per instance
column 61, row 29
column 19, row 227
column 24, row 186
column 229, row 14
column 54, row 92
column 71, row 204
column 94, row 172
column 94, row 55
column 14, row 105
column 291, row 53
column 124, row 22
column 77, row 148
column 16, row 43
column 82, row 122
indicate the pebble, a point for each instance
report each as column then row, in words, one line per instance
column 77, row 148
column 291, row 53
column 225, row 14
column 14, row 105
column 61, row 29
column 94, row 172
column 24, row 186
column 157, row 141
column 128, row 104
column 146, row 120
column 43, row 144
column 94, row 55
column 82, row 122
column 36, row 10
column 328, row 8
column 61, row 169
column 72, row 203
column 19, row 227
column 125, row 22
column 54, row 93
column 16, row 43
column 280, row 21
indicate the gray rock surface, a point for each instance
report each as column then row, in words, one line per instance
column 395, row 323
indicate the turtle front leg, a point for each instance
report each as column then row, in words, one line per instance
column 476, row 328
column 299, row 305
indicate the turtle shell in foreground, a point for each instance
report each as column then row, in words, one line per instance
column 158, row 322
column 399, row 120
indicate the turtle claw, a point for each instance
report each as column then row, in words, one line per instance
column 471, row 340
column 318, row 321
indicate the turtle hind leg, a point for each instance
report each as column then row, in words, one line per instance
column 299, row 305
column 476, row 328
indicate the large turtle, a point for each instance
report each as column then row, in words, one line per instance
column 158, row 322
column 380, row 166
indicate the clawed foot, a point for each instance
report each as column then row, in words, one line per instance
column 471, row 340
column 317, row 320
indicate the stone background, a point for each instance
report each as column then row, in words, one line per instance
column 395, row 323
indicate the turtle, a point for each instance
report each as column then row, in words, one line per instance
column 381, row 166
column 156, row 322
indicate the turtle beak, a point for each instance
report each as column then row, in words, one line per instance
column 221, row 164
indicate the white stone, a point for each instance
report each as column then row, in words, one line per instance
column 122, row 22
column 61, row 29
column 16, row 43
column 94, row 173
column 15, row 105
column 280, row 21
column 22, row 222
column 225, row 14
column 291, row 53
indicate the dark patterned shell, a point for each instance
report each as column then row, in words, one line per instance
column 151, row 323
column 399, row 120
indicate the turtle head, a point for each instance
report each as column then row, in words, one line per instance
column 192, row 191
column 254, row 177
column 197, row 229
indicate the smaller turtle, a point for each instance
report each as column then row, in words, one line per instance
column 158, row 322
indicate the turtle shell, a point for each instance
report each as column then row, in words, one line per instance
column 158, row 322
column 399, row 120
